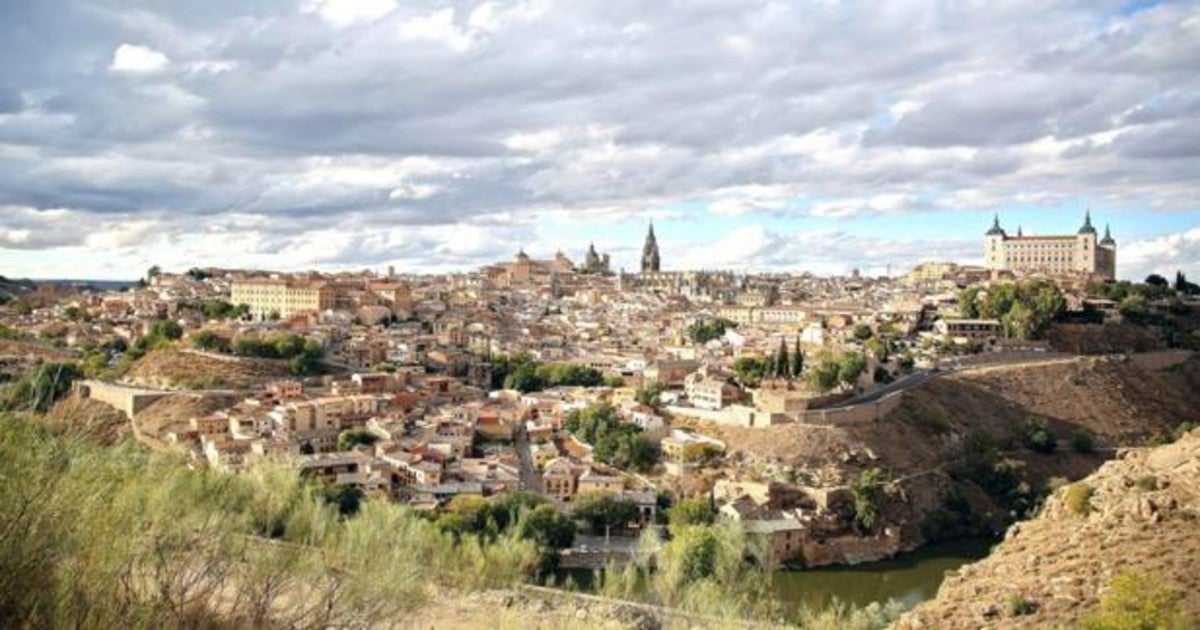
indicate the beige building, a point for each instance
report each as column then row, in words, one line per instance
column 278, row 296
column 1058, row 255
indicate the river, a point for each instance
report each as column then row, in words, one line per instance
column 910, row 578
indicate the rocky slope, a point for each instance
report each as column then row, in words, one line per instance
column 924, row 443
column 1143, row 514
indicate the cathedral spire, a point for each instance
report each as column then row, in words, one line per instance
column 650, row 258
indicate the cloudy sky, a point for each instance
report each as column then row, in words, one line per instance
column 758, row 135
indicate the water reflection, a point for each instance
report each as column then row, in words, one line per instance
column 910, row 578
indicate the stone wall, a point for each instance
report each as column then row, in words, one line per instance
column 127, row 400
column 1160, row 360
column 851, row 549
column 855, row 414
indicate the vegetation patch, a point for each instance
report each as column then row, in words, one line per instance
column 1078, row 499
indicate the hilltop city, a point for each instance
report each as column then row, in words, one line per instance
column 612, row 397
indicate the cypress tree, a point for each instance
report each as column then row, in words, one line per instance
column 783, row 367
column 797, row 359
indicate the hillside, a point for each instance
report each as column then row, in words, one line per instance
column 1118, row 401
column 961, row 435
column 182, row 369
column 91, row 418
column 1143, row 515
column 175, row 410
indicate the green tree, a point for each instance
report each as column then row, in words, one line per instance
column 1019, row 322
column 153, row 272
column 209, row 340
column 865, row 490
column 602, row 510
column 698, row 511
column 823, row 376
column 217, row 309
column 650, row 395
column 797, row 359
column 351, row 438
column 750, row 370
column 525, row 378
column 968, row 302
column 851, row 367
column 1133, row 307
column 165, row 329
column 862, row 332
column 549, row 529
column 1156, row 280
column 781, row 366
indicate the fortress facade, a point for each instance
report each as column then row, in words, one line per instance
column 1079, row 254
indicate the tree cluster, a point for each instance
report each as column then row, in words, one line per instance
column 302, row 353
column 604, row 510
column 615, row 443
column 525, row 515
column 830, row 370
column 522, row 373
column 705, row 331
column 1025, row 309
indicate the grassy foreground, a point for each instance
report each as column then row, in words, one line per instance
column 113, row 536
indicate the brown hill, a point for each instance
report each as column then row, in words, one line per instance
column 176, row 409
column 183, row 369
column 1118, row 401
column 31, row 349
column 88, row 417
column 1102, row 338
column 1143, row 514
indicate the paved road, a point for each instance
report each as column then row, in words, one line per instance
column 531, row 479
column 912, row 380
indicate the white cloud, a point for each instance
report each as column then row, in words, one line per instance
column 437, row 27
column 1163, row 255
column 343, row 13
column 137, row 59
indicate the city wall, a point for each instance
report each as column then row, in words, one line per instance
column 1160, row 360
column 738, row 415
column 855, row 414
column 128, row 400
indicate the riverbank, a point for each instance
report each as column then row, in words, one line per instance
column 909, row 578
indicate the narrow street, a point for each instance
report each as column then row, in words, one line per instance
column 531, row 479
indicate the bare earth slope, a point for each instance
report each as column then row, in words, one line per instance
column 191, row 370
column 1145, row 516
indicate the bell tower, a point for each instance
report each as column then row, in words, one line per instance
column 650, row 259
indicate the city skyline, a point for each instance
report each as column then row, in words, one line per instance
column 821, row 137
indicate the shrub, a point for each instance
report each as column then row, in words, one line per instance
column 1136, row 600
column 1079, row 499
column 1036, row 435
column 1083, row 442
column 1018, row 605
column 1147, row 483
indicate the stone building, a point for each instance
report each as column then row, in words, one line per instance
column 595, row 263
column 1079, row 254
column 282, row 297
column 650, row 258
